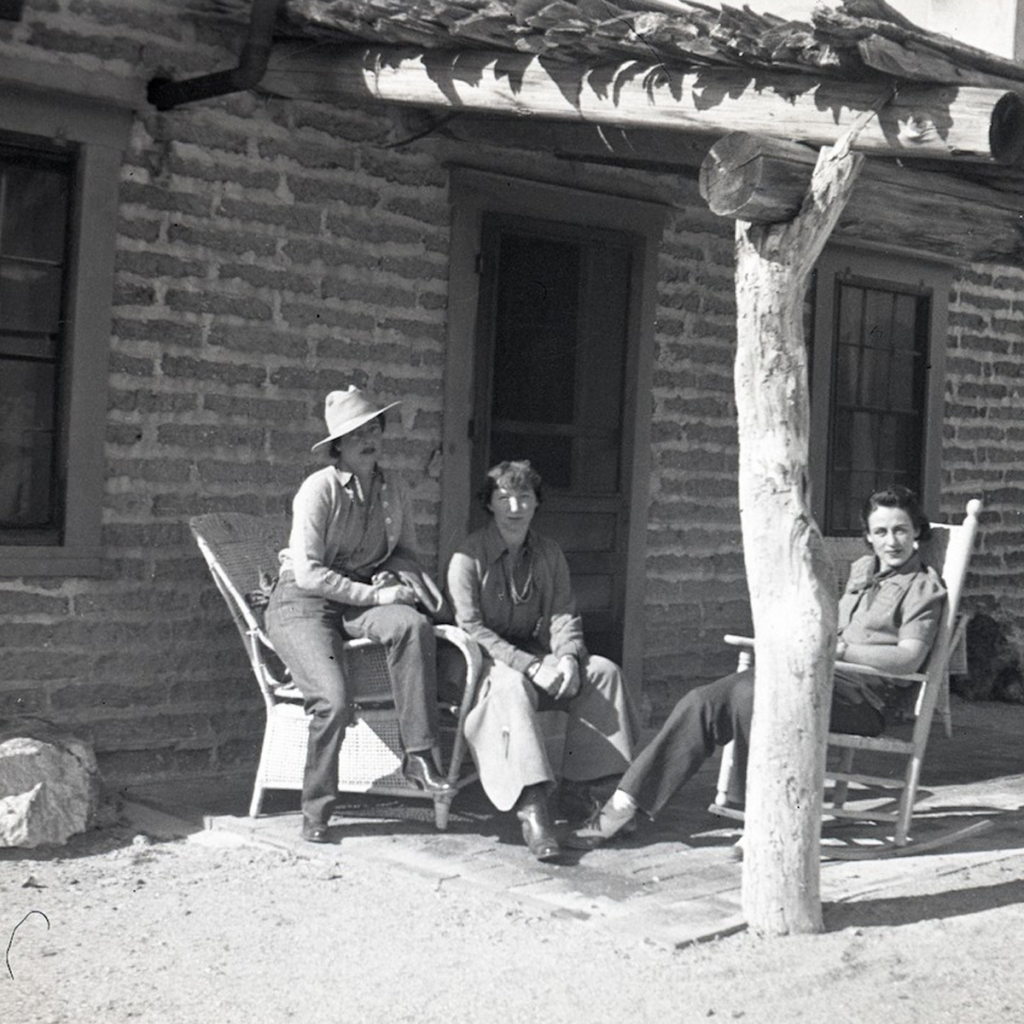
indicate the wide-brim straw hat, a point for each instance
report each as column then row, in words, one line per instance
column 348, row 410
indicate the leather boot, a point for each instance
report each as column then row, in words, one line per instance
column 538, row 831
column 416, row 767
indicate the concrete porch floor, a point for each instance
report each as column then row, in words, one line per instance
column 675, row 881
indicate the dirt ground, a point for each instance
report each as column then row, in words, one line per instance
column 207, row 929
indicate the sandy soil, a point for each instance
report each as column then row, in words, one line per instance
column 206, row 930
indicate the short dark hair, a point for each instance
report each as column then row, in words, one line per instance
column 335, row 447
column 898, row 496
column 516, row 475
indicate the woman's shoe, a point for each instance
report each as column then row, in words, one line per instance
column 606, row 824
column 538, row 831
column 315, row 831
column 420, row 772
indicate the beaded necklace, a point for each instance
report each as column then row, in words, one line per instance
column 520, row 596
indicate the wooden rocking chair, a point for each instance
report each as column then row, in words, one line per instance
column 949, row 553
column 241, row 552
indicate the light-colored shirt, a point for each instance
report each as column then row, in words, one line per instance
column 546, row 622
column 883, row 608
column 339, row 536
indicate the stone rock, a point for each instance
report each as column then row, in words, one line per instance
column 49, row 784
column 993, row 661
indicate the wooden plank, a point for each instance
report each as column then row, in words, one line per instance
column 881, row 744
column 944, row 122
column 862, row 815
column 864, row 18
column 596, row 143
column 923, row 64
column 866, row 780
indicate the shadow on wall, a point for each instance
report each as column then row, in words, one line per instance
column 993, row 662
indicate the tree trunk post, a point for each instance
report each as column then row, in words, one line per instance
column 789, row 575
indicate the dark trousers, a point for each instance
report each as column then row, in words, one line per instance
column 709, row 717
column 308, row 633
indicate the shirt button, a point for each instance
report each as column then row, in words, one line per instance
column 387, row 519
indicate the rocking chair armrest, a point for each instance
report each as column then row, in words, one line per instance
column 852, row 666
column 867, row 670
column 261, row 635
column 738, row 641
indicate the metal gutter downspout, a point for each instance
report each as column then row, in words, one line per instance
column 164, row 93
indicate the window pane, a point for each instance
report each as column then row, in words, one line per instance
column 35, row 189
column 536, row 330
column 847, row 373
column 26, row 444
column 878, row 395
column 35, row 212
column 550, row 456
column 30, row 298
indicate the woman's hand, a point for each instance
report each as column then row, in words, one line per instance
column 394, row 593
column 570, row 669
column 558, row 678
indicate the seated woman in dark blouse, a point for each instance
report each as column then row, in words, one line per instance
column 888, row 619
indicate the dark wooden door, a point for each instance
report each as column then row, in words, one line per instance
column 551, row 357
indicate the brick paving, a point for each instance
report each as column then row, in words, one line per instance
column 675, row 881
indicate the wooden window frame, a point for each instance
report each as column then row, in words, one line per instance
column 98, row 132
column 935, row 280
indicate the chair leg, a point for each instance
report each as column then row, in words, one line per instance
column 907, row 800
column 945, row 710
column 724, row 776
column 256, row 804
column 442, row 808
column 842, row 788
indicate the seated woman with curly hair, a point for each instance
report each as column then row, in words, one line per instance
column 510, row 591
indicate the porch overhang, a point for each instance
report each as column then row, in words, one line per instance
column 917, row 120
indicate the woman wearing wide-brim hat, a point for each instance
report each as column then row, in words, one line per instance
column 348, row 519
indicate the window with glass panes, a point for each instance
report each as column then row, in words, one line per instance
column 877, row 360
column 876, row 433
column 36, row 186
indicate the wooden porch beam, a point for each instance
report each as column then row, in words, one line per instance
column 943, row 122
column 764, row 181
column 667, row 152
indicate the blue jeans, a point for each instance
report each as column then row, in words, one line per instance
column 308, row 632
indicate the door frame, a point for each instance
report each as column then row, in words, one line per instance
column 472, row 193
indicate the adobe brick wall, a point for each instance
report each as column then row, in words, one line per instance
column 982, row 443
column 263, row 258
column 270, row 251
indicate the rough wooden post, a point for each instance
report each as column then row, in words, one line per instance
column 788, row 572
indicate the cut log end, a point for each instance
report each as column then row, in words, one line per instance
column 1006, row 131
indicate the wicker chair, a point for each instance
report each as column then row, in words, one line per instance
column 949, row 552
column 241, row 552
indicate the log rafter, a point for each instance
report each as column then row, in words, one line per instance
column 945, row 122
